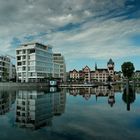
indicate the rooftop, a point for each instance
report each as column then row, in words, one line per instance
column 36, row 43
column 110, row 62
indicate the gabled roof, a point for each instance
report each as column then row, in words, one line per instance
column 74, row 70
column 86, row 67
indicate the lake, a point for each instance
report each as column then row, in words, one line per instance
column 100, row 113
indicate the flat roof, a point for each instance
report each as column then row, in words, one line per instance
column 34, row 43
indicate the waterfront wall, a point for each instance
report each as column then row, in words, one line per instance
column 12, row 85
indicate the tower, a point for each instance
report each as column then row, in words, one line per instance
column 110, row 66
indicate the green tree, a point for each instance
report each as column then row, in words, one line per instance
column 127, row 69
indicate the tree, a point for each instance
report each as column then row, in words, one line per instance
column 128, row 98
column 127, row 69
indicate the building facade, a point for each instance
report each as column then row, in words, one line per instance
column 87, row 75
column 137, row 75
column 12, row 74
column 59, row 59
column 110, row 66
column 4, row 68
column 99, row 74
column 74, row 74
column 34, row 62
column 56, row 70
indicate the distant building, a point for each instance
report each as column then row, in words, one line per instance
column 110, row 66
column 12, row 75
column 7, row 69
column 34, row 62
column 86, row 72
column 118, row 76
column 56, row 70
column 137, row 75
column 100, row 74
column 74, row 74
column 59, row 59
column 103, row 74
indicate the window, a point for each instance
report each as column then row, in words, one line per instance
column 23, row 103
column 23, row 68
column 19, row 74
column 23, row 63
column 24, row 56
column 24, row 51
column 19, row 63
column 19, row 58
column 17, row 52
column 18, row 113
column 32, row 51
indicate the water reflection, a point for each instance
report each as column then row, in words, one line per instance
column 104, row 91
column 129, row 97
column 101, row 91
column 6, row 101
column 89, row 114
column 35, row 109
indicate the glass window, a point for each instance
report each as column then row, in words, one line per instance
column 19, row 63
column 18, row 57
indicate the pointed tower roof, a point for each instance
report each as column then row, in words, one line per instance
column 110, row 62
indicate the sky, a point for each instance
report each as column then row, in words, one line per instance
column 84, row 31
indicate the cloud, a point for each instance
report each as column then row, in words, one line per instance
column 82, row 28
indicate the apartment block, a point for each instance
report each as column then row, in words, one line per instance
column 34, row 62
column 5, row 63
column 59, row 59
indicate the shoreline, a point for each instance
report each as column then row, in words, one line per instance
column 14, row 85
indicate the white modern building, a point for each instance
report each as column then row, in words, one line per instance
column 59, row 59
column 34, row 62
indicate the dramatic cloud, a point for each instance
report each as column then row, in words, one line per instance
column 80, row 29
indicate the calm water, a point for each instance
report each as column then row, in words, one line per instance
column 82, row 114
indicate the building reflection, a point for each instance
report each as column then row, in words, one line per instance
column 98, row 92
column 111, row 97
column 85, row 92
column 106, row 91
column 35, row 109
column 59, row 101
column 6, row 100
